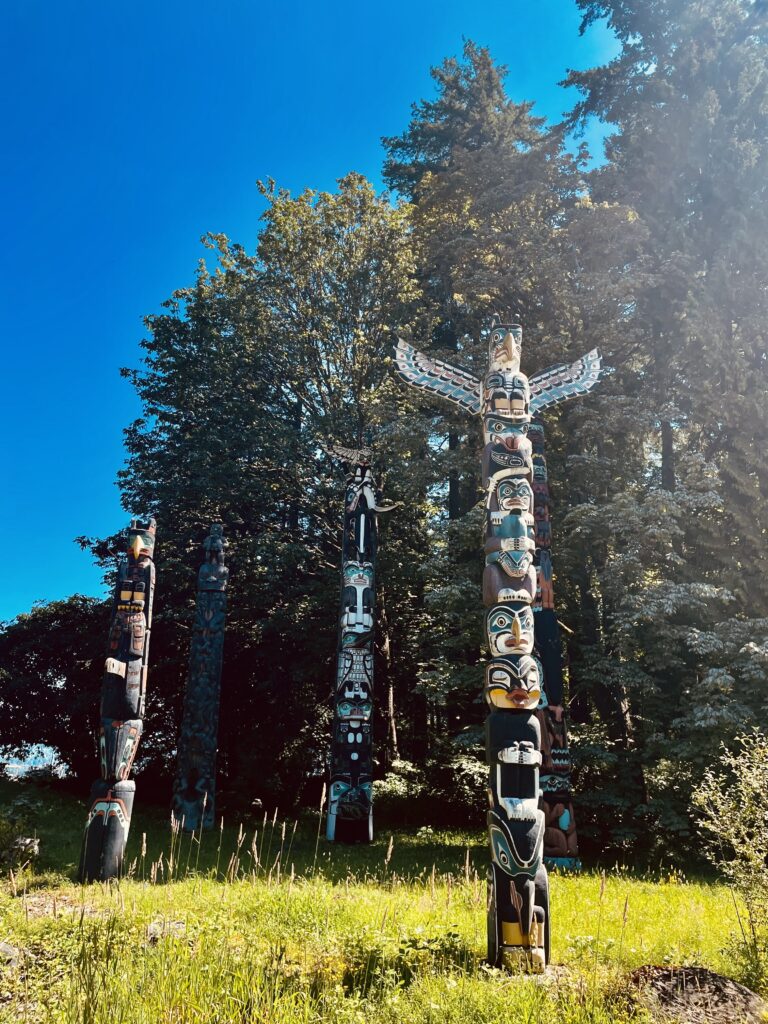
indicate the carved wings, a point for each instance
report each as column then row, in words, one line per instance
column 438, row 377
column 560, row 382
column 355, row 456
column 555, row 384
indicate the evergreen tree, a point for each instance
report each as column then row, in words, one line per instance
column 679, row 549
column 264, row 359
column 504, row 223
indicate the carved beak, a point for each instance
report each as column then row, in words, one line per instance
column 508, row 347
column 137, row 546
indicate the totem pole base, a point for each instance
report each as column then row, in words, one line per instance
column 357, row 830
column 509, row 947
column 106, row 832
column 189, row 812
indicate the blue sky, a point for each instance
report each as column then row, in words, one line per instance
column 130, row 131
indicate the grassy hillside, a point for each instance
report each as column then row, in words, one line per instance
column 288, row 929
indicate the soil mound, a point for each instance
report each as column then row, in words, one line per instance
column 694, row 995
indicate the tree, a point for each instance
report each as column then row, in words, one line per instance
column 501, row 214
column 677, row 579
column 53, row 658
column 262, row 360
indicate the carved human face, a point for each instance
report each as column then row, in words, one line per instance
column 510, row 629
column 349, row 710
column 514, row 494
column 513, row 683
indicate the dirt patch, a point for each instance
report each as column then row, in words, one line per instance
column 694, row 995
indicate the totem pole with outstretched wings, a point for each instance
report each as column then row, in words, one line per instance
column 530, row 817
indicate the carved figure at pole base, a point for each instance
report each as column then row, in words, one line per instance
column 122, row 708
column 517, row 587
column 194, row 788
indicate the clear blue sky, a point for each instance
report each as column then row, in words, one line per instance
column 131, row 129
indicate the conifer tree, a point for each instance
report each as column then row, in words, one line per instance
column 683, row 544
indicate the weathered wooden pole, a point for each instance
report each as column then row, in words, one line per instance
column 350, row 800
column 122, row 708
column 194, row 788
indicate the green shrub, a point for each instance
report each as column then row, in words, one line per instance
column 732, row 801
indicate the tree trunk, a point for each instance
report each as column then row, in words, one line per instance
column 293, row 508
column 667, row 456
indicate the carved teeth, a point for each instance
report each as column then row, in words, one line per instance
column 514, row 755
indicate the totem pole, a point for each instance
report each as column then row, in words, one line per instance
column 560, row 847
column 350, row 802
column 122, row 708
column 517, row 568
column 194, row 788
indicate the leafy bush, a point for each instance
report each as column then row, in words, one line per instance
column 441, row 793
column 16, row 843
column 731, row 800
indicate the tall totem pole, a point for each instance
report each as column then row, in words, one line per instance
column 194, row 788
column 525, row 727
column 350, row 802
column 122, row 708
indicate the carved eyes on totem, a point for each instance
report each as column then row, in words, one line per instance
column 501, row 851
column 504, row 618
column 519, row 489
column 504, row 428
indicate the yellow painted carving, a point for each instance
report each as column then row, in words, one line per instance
column 511, row 935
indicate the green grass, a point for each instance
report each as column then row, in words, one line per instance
column 387, row 933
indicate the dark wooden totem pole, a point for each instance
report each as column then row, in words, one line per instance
column 530, row 815
column 350, row 800
column 560, row 847
column 122, row 708
column 194, row 788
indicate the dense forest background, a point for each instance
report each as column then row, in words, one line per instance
column 659, row 480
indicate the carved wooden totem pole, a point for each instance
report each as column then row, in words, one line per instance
column 350, row 802
column 525, row 727
column 194, row 788
column 122, row 708
column 560, row 847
